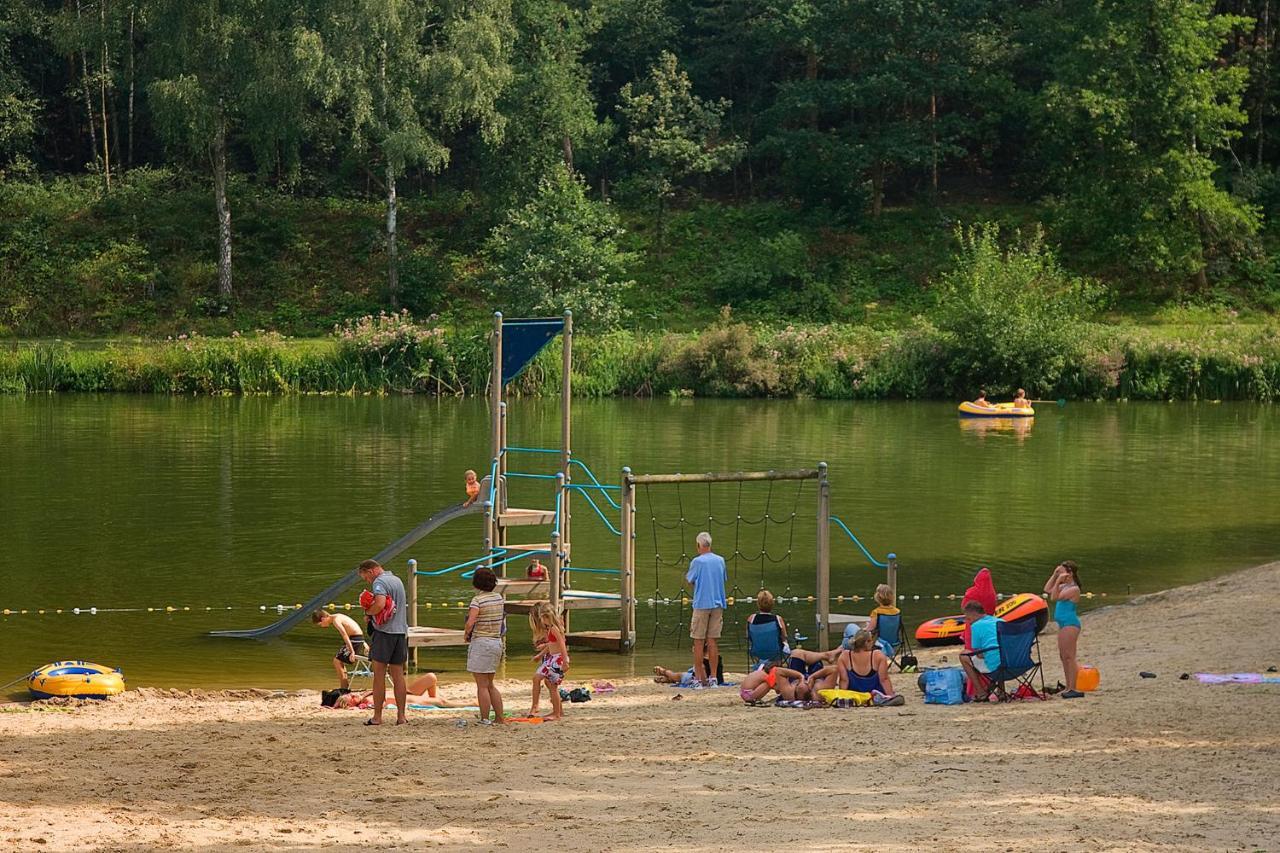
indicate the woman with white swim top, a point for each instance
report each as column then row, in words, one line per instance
column 1064, row 591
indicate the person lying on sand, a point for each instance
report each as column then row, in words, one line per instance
column 422, row 691
column 787, row 683
column 662, row 675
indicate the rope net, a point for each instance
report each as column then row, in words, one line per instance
column 755, row 534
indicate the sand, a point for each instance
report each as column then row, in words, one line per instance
column 1142, row 764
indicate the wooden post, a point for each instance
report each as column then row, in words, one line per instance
column 488, row 527
column 503, row 498
column 553, row 573
column 413, row 607
column 627, row 524
column 495, row 387
column 824, row 559
column 566, row 422
column 891, row 576
column 495, row 430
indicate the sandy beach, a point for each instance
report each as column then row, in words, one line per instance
column 1142, row 764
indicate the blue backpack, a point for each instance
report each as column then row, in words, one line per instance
column 944, row 686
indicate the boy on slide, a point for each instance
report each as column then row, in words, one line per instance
column 473, row 488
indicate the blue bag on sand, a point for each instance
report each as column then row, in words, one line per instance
column 944, row 686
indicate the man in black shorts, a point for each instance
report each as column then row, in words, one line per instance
column 389, row 643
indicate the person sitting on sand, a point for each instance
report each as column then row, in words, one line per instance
column 472, row 486
column 985, row 657
column 1020, row 400
column 421, row 691
column 352, row 641
column 819, row 667
column 662, row 675
column 865, row 669
column 789, row 684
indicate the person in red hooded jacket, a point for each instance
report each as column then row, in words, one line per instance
column 983, row 591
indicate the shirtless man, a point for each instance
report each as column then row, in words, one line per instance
column 352, row 641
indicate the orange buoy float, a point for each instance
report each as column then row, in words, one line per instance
column 1087, row 678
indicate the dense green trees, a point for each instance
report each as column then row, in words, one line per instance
column 1139, row 131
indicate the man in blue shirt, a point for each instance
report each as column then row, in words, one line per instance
column 706, row 577
column 986, row 648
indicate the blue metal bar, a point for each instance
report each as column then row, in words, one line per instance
column 593, row 571
column 857, row 542
column 520, row 556
column 446, row 570
column 592, row 486
column 595, row 481
column 615, row 531
column 532, row 476
column 531, row 449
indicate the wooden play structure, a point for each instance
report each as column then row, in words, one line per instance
column 500, row 517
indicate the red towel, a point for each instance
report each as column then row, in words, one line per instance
column 983, row 591
column 366, row 598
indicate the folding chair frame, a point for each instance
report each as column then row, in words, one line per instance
column 1001, row 676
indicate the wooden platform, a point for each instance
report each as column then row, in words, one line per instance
column 839, row 621
column 521, row 586
column 570, row 602
column 425, row 637
column 526, row 517
column 609, row 641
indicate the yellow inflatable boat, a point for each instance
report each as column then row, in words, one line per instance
column 77, row 679
column 995, row 410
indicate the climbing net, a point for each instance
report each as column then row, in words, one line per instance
column 756, row 538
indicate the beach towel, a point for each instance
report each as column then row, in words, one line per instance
column 1236, row 678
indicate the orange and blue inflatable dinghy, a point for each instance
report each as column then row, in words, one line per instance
column 947, row 629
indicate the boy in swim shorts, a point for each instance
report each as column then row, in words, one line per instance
column 352, row 641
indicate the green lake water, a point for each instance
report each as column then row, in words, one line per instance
column 133, row 502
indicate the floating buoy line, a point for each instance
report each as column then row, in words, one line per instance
column 682, row 601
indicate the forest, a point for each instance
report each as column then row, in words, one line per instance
column 290, row 166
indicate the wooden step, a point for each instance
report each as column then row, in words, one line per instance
column 426, row 637
column 609, row 641
column 541, row 546
column 570, row 602
column 522, row 517
column 522, row 586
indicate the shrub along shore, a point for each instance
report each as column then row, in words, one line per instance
column 392, row 355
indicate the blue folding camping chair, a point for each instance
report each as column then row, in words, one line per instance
column 891, row 636
column 765, row 643
column 1019, row 645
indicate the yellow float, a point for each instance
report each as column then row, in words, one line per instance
column 77, row 679
column 995, row 410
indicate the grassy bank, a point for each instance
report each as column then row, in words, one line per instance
column 729, row 359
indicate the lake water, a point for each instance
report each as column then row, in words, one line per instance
column 125, row 503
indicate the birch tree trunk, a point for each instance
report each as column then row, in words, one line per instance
column 567, row 144
column 128, row 156
column 393, row 270
column 88, row 100
column 219, row 156
column 103, row 65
